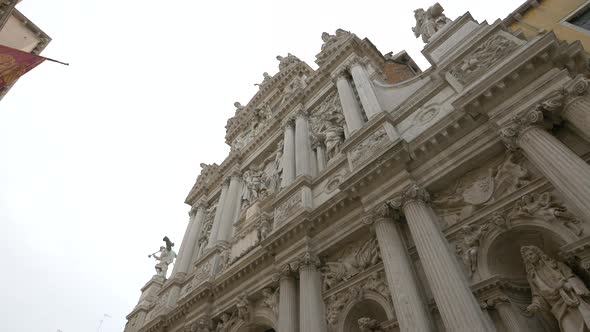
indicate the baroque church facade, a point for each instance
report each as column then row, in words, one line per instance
column 367, row 195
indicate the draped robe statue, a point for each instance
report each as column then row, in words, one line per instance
column 557, row 289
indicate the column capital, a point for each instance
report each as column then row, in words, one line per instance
column 518, row 125
column 302, row 112
column 381, row 212
column 356, row 61
column 411, row 193
column 577, row 87
column 340, row 73
column 308, row 258
column 193, row 211
column 289, row 121
column 493, row 301
column 285, row 271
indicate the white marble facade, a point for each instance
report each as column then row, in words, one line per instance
column 456, row 200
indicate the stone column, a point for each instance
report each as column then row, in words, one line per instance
column 576, row 110
column 457, row 306
column 288, row 153
column 410, row 308
column 230, row 208
column 312, row 313
column 288, row 311
column 320, row 155
column 187, row 247
column 364, row 87
column 350, row 107
column 568, row 173
column 303, row 163
column 218, row 213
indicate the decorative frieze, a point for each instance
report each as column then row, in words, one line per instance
column 350, row 262
column 285, row 209
column 368, row 148
column 491, row 51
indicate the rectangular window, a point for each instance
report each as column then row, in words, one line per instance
column 581, row 19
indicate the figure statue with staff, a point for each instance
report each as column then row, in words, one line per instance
column 165, row 256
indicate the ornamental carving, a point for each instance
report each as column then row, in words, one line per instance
column 367, row 324
column 254, row 186
column 429, row 21
column 543, row 207
column 202, row 274
column 265, row 80
column 481, row 187
column 369, row 147
column 308, row 258
column 412, row 192
column 350, row 262
column 226, row 322
column 336, row 302
column 205, row 232
column 487, row 54
column 297, row 84
column 285, row 209
column 203, row 324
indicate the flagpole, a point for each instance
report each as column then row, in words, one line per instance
column 56, row 61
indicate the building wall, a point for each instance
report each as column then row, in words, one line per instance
column 549, row 15
column 18, row 35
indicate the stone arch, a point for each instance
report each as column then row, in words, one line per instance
column 499, row 253
column 369, row 304
column 263, row 320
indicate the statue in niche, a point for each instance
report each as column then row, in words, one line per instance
column 260, row 117
column 479, row 188
column 227, row 320
column 332, row 132
column 254, row 186
column 367, row 324
column 429, row 22
column 265, row 80
column 206, row 229
column 543, row 207
column 274, row 169
column 165, row 256
column 285, row 62
column 557, row 289
column 468, row 246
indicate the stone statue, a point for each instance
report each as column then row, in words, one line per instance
column 270, row 299
column 557, row 289
column 275, row 170
column 333, row 133
column 254, row 186
column 243, row 305
column 239, row 107
column 468, row 246
column 265, row 80
column 166, row 257
column 226, row 322
column 285, row 62
column 367, row 324
column 429, row 22
column 264, row 228
column 330, row 40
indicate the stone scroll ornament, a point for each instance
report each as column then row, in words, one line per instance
column 556, row 289
column 429, row 22
column 165, row 256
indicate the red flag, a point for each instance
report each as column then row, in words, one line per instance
column 14, row 64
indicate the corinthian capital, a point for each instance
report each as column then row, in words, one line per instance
column 511, row 131
column 411, row 193
column 288, row 122
column 340, row 73
column 383, row 211
column 308, row 258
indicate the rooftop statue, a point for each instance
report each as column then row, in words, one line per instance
column 265, row 80
column 166, row 257
column 285, row 62
column 330, row 40
column 429, row 22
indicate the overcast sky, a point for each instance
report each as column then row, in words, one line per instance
column 97, row 158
